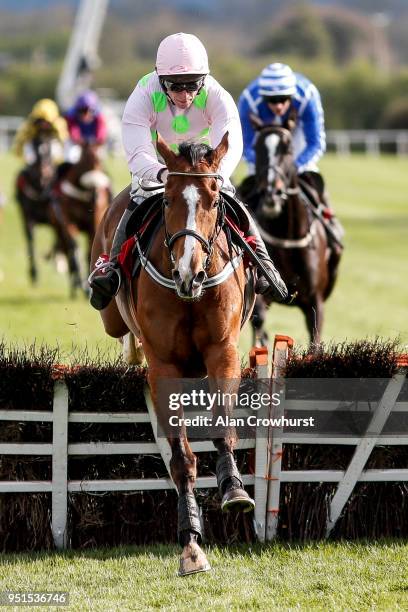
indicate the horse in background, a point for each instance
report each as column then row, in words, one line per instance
column 83, row 194
column 296, row 240
column 33, row 194
column 2, row 205
column 189, row 324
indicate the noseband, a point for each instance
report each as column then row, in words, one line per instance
column 207, row 245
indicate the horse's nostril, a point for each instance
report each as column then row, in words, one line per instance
column 199, row 278
column 176, row 276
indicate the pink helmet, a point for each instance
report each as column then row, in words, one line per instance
column 181, row 54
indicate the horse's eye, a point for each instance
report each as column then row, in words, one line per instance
column 216, row 202
column 166, row 202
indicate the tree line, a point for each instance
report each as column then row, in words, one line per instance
column 347, row 56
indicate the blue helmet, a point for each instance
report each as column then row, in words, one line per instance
column 277, row 80
column 87, row 99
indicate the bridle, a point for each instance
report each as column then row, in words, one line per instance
column 283, row 196
column 212, row 281
column 285, row 177
column 207, row 245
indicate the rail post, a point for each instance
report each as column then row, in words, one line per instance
column 281, row 349
column 60, row 465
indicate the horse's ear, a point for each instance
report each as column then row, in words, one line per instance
column 215, row 156
column 163, row 148
column 256, row 121
column 291, row 124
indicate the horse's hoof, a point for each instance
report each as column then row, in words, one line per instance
column 193, row 560
column 237, row 499
column 61, row 263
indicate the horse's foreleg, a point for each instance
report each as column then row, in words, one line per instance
column 73, row 267
column 67, row 243
column 314, row 312
column 332, row 268
column 29, row 234
column 30, row 250
column 224, row 374
column 183, row 472
column 258, row 323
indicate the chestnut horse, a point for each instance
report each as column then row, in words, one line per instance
column 296, row 240
column 84, row 194
column 191, row 326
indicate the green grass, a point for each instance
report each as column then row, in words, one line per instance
column 323, row 576
column 369, row 195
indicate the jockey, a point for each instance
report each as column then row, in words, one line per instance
column 86, row 124
column 276, row 96
column 44, row 119
column 181, row 101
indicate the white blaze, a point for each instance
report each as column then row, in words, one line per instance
column 271, row 142
column 191, row 196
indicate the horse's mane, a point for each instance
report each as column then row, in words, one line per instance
column 194, row 152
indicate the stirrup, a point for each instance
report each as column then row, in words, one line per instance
column 104, row 267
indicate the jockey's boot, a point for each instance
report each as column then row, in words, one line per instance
column 278, row 290
column 106, row 279
column 105, row 282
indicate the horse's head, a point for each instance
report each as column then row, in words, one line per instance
column 191, row 211
column 275, row 169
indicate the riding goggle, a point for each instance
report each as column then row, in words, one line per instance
column 43, row 123
column 277, row 99
column 188, row 86
column 84, row 109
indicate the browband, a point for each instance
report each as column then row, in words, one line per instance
column 200, row 174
